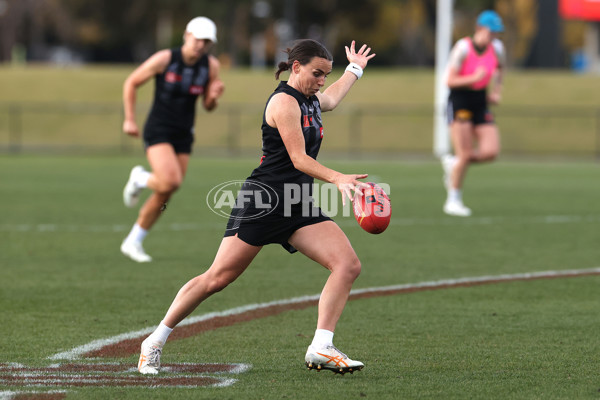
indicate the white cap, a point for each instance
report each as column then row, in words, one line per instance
column 202, row 28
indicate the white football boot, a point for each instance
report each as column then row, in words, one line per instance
column 149, row 363
column 332, row 359
column 131, row 192
column 456, row 208
column 135, row 251
column 448, row 163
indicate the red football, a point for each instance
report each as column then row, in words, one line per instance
column 373, row 210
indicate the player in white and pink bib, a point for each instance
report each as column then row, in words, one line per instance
column 475, row 63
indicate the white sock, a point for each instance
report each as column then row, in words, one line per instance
column 454, row 195
column 161, row 334
column 137, row 234
column 141, row 179
column 322, row 339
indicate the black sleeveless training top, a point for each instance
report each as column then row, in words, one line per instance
column 176, row 91
column 276, row 167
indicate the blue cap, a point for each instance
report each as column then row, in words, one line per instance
column 491, row 20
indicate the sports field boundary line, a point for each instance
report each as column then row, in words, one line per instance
column 128, row 343
column 33, row 394
column 342, row 221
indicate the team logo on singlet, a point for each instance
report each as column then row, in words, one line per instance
column 306, row 120
column 172, row 77
column 197, row 90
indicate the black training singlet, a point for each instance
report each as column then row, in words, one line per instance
column 176, row 91
column 269, row 208
column 276, row 167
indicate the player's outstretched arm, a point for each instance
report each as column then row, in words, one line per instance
column 334, row 94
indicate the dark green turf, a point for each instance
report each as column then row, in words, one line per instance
column 63, row 282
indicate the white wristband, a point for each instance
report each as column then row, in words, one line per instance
column 355, row 69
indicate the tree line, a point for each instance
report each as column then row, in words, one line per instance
column 254, row 32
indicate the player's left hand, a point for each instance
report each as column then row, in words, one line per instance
column 360, row 57
column 215, row 89
column 346, row 184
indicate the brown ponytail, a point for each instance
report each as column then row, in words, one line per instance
column 283, row 66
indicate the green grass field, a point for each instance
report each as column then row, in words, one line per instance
column 64, row 283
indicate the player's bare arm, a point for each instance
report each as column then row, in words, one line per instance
column 283, row 114
column 334, row 94
column 154, row 65
column 455, row 80
column 215, row 86
column 495, row 95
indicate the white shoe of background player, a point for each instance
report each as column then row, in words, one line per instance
column 131, row 192
column 135, row 251
column 456, row 208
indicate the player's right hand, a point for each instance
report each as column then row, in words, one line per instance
column 215, row 89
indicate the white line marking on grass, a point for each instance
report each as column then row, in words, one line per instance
column 225, row 382
column 11, row 365
column 79, row 351
column 7, row 394
column 482, row 279
column 75, row 353
column 346, row 222
column 49, row 378
column 73, row 375
column 239, row 369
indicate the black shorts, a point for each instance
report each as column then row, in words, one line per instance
column 256, row 228
column 469, row 105
column 181, row 140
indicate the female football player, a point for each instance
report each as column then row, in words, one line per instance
column 292, row 133
column 181, row 75
column 475, row 63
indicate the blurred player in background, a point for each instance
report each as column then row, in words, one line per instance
column 474, row 63
column 292, row 133
column 181, row 75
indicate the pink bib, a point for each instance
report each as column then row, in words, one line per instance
column 473, row 60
